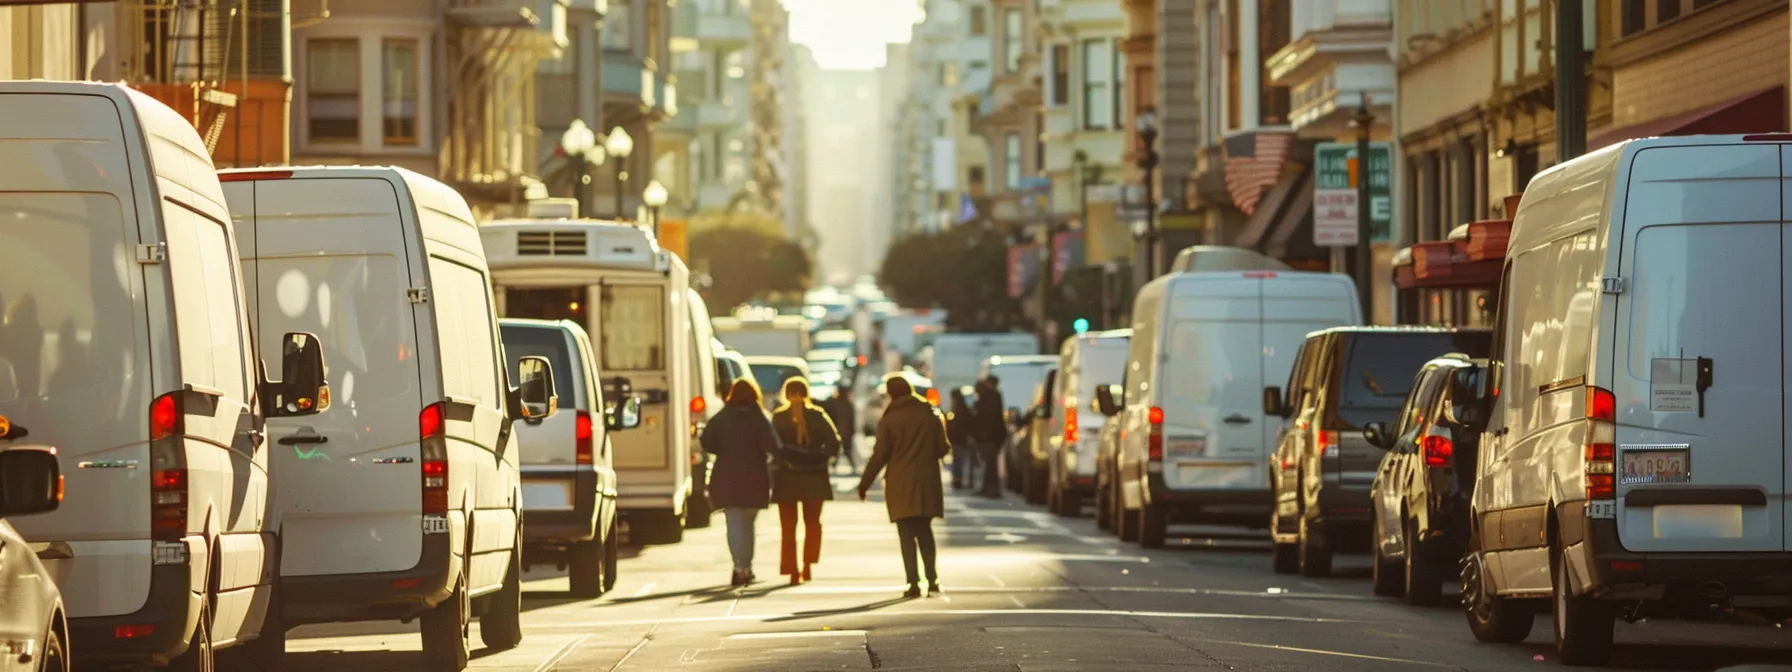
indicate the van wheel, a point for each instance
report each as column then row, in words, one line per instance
column 1153, row 521
column 1424, row 586
column 1493, row 619
column 55, row 653
column 1037, row 487
column 585, row 569
column 1070, row 505
column 1381, row 572
column 501, row 626
column 444, row 629
column 1583, row 624
column 198, row 656
column 1104, row 506
column 611, row 544
column 1315, row 554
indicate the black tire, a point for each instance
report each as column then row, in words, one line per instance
column 1424, row 579
column 1104, row 505
column 501, row 626
column 198, row 656
column 1126, row 524
column 1382, row 573
column 55, row 658
column 1315, row 553
column 444, row 631
column 1153, row 523
column 585, row 569
column 612, row 543
column 1583, row 624
column 1492, row 619
column 1070, row 504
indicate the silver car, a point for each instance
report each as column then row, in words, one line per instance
column 33, row 625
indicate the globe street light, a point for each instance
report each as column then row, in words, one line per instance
column 579, row 144
column 654, row 196
column 619, row 145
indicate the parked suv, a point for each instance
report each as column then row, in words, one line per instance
column 33, row 620
column 1343, row 379
column 1420, row 495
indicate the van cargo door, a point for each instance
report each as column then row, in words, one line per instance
column 1293, row 307
column 1697, row 464
column 1212, row 379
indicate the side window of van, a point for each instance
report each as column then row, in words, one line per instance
column 1496, row 401
column 208, row 311
column 464, row 324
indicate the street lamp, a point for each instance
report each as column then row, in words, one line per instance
column 654, row 196
column 1147, row 128
column 619, row 145
column 1365, row 279
column 580, row 146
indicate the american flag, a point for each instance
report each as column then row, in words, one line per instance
column 1254, row 164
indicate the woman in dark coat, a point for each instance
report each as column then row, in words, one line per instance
column 961, row 423
column 911, row 441
column 807, row 444
column 743, row 442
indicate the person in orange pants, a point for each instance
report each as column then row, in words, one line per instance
column 808, row 443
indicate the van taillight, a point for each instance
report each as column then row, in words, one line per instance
column 435, row 459
column 933, row 397
column 1328, row 443
column 698, row 405
column 1154, row 436
column 582, row 434
column 1598, row 450
column 1437, row 451
column 167, row 469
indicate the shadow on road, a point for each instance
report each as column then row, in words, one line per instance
column 823, row 613
column 704, row 592
column 365, row 661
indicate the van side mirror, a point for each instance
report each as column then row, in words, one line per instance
column 1376, row 433
column 30, row 482
column 625, row 414
column 303, row 388
column 535, row 398
column 1105, row 401
column 1273, row 404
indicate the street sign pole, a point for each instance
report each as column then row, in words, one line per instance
column 1365, row 265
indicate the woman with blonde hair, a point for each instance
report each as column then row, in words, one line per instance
column 808, row 443
column 741, row 438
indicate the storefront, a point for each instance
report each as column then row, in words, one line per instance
column 1455, row 282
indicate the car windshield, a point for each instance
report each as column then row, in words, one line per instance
column 1379, row 370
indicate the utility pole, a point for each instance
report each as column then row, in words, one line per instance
column 1365, row 273
column 1147, row 128
column 1571, row 82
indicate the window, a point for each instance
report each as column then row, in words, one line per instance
column 1011, row 161
column 398, row 92
column 979, row 21
column 550, row 343
column 1666, row 10
column 1098, row 75
column 1012, row 39
column 1038, row 143
column 618, row 29
column 469, row 354
column 1060, row 74
column 333, row 90
column 633, row 328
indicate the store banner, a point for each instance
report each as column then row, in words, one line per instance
column 1068, row 254
column 1023, row 269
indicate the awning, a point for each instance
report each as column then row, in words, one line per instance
column 1257, row 228
column 1472, row 257
column 1760, row 112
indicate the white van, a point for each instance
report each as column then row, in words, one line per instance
column 614, row 279
column 1203, row 344
column 405, row 500
column 1635, row 457
column 1072, row 431
column 770, row 335
column 957, row 360
column 569, row 485
column 126, row 345
column 706, row 401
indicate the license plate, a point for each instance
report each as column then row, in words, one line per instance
column 1647, row 466
column 547, row 495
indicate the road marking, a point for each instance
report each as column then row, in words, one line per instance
column 561, row 654
column 646, row 589
column 1323, row 652
column 797, row 634
column 631, row 652
column 946, row 612
column 1283, row 594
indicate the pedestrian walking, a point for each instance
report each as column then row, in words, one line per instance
column 742, row 439
column 846, row 421
column 807, row 444
column 960, row 423
column 911, row 442
column 992, row 434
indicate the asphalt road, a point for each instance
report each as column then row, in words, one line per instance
column 1025, row 591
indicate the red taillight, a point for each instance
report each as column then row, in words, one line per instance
column 167, row 469
column 250, row 176
column 582, row 434
column 1597, row 449
column 1627, row 566
column 435, row 460
column 1601, row 405
column 1437, row 451
column 429, row 422
column 1154, row 437
column 862, row 360
column 1328, row 442
column 1070, row 428
column 133, row 631
column 165, row 416
column 698, row 404
column 933, row 397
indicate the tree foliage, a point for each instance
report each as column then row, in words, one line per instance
column 963, row 270
column 746, row 256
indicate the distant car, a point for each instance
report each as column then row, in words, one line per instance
column 33, row 622
column 1070, row 429
column 771, row 372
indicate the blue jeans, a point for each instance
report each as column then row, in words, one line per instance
column 740, row 535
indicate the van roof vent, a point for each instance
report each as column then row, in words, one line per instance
column 551, row 243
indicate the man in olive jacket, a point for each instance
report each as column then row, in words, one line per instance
column 911, row 441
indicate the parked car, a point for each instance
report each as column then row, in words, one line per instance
column 33, row 622
column 1421, row 492
column 380, row 498
column 129, row 350
column 1342, row 380
column 569, row 482
column 771, row 372
column 1107, row 403
column 1195, row 444
column 1070, row 429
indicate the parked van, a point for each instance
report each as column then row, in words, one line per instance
column 706, row 402
column 1635, row 457
column 957, row 360
column 1197, row 442
column 405, row 500
column 614, row 279
column 127, row 347
column 1071, row 429
column 569, row 486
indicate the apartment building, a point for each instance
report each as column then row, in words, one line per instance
column 1086, row 115
column 703, row 149
column 639, row 93
column 1008, row 119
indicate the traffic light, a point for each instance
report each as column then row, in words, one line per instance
column 1081, row 325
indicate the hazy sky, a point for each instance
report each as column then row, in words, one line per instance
column 850, row 34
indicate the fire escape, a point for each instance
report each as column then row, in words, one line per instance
column 494, row 46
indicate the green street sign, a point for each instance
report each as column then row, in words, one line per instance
column 1334, row 198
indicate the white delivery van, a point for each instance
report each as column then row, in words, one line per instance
column 404, row 500
column 614, row 279
column 127, row 347
column 1203, row 344
column 1072, row 433
column 706, row 402
column 1635, row 460
column 957, row 360
column 569, row 485
column 776, row 336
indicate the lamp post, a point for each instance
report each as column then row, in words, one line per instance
column 1365, row 277
column 620, row 145
column 1147, row 128
column 580, row 146
column 654, row 196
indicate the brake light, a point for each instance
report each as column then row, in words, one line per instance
column 582, row 436
column 1437, row 451
column 1598, row 451
column 165, row 417
column 249, row 176
column 429, row 422
column 133, row 631
column 435, row 460
column 1768, row 137
column 1070, row 429
column 1328, row 443
column 167, row 469
column 933, row 397
column 862, row 360
column 698, row 404
column 1154, row 437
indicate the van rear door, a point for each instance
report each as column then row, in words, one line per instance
column 1702, row 225
column 1209, row 379
column 330, row 257
column 1295, row 305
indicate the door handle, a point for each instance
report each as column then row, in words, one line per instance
column 256, row 437
column 299, row 439
column 1236, row 419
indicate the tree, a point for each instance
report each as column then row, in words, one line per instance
column 747, row 256
column 963, row 270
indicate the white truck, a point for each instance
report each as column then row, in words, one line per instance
column 781, row 336
column 958, row 358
